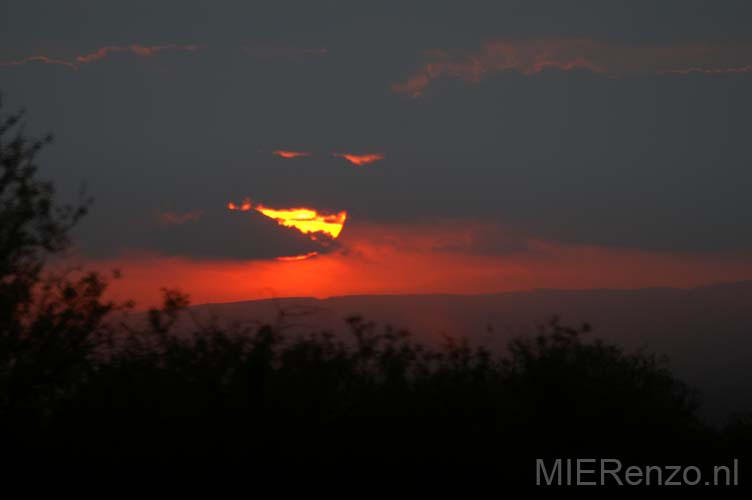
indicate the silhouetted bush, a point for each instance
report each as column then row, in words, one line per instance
column 380, row 398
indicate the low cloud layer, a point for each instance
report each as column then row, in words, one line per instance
column 213, row 234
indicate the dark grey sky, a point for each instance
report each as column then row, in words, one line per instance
column 628, row 157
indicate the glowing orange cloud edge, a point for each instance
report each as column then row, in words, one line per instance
column 290, row 154
column 244, row 206
column 306, row 220
column 360, row 160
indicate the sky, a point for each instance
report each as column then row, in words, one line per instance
column 428, row 147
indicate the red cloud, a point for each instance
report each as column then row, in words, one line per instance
column 140, row 50
column 290, row 154
column 360, row 160
column 531, row 57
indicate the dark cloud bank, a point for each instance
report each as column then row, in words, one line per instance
column 646, row 160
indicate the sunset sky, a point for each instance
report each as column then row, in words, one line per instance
column 242, row 150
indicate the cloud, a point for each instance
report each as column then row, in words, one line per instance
column 290, row 154
column 215, row 234
column 532, row 57
column 39, row 59
column 306, row 220
column 243, row 206
column 360, row 160
column 102, row 52
column 140, row 50
column 239, row 230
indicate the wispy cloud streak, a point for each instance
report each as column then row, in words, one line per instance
column 532, row 57
column 39, row 59
column 103, row 52
column 139, row 50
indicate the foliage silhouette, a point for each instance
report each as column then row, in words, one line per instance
column 50, row 322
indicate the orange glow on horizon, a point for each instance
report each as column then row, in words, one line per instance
column 360, row 160
column 290, row 154
column 396, row 261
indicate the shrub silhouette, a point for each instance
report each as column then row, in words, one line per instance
column 377, row 397
column 76, row 386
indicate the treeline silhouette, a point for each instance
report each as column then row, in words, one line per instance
column 79, row 386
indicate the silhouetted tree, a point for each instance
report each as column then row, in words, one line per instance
column 48, row 321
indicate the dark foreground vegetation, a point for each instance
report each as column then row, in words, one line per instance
column 78, row 387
